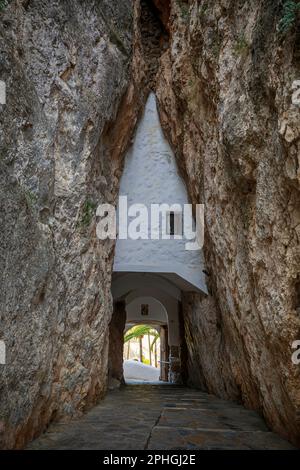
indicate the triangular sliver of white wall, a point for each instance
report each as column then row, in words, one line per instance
column 151, row 176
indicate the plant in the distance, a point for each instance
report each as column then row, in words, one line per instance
column 184, row 8
column 88, row 212
column 241, row 46
column 290, row 10
column 141, row 330
column 3, row 4
column 137, row 332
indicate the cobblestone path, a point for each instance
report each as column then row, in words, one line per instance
column 162, row 417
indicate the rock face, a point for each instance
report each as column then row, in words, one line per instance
column 66, row 66
column 116, row 341
column 77, row 76
column 225, row 93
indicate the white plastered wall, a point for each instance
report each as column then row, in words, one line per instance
column 150, row 176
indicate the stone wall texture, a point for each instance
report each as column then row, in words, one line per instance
column 225, row 93
column 76, row 74
column 66, row 65
column 116, row 343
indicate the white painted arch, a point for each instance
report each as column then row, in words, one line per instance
column 134, row 289
column 157, row 312
column 124, row 283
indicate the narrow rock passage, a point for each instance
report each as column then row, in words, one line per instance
column 162, row 417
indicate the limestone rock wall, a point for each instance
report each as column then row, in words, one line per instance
column 77, row 76
column 225, row 93
column 66, row 65
column 116, row 343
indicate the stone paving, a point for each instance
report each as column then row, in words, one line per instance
column 162, row 417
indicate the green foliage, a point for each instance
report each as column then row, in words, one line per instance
column 87, row 214
column 184, row 8
column 203, row 10
column 216, row 47
column 289, row 16
column 116, row 39
column 141, row 330
column 3, row 4
column 31, row 197
column 241, row 46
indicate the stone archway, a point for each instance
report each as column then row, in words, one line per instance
column 130, row 290
column 155, row 316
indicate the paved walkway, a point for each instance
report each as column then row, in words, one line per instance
column 162, row 417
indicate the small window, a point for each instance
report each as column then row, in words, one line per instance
column 144, row 309
column 174, row 223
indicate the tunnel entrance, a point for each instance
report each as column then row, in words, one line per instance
column 151, row 272
column 142, row 362
column 151, row 308
column 152, row 264
column 145, row 299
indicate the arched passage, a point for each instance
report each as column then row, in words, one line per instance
column 143, row 308
column 144, row 361
column 131, row 293
column 147, row 264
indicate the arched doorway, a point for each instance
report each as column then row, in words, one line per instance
column 147, row 314
column 142, row 353
column 141, row 298
column 154, row 257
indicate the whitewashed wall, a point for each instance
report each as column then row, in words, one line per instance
column 157, row 312
column 150, row 176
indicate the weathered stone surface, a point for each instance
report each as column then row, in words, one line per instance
column 116, row 341
column 156, row 417
column 225, row 93
column 224, row 83
column 66, row 67
column 164, row 438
